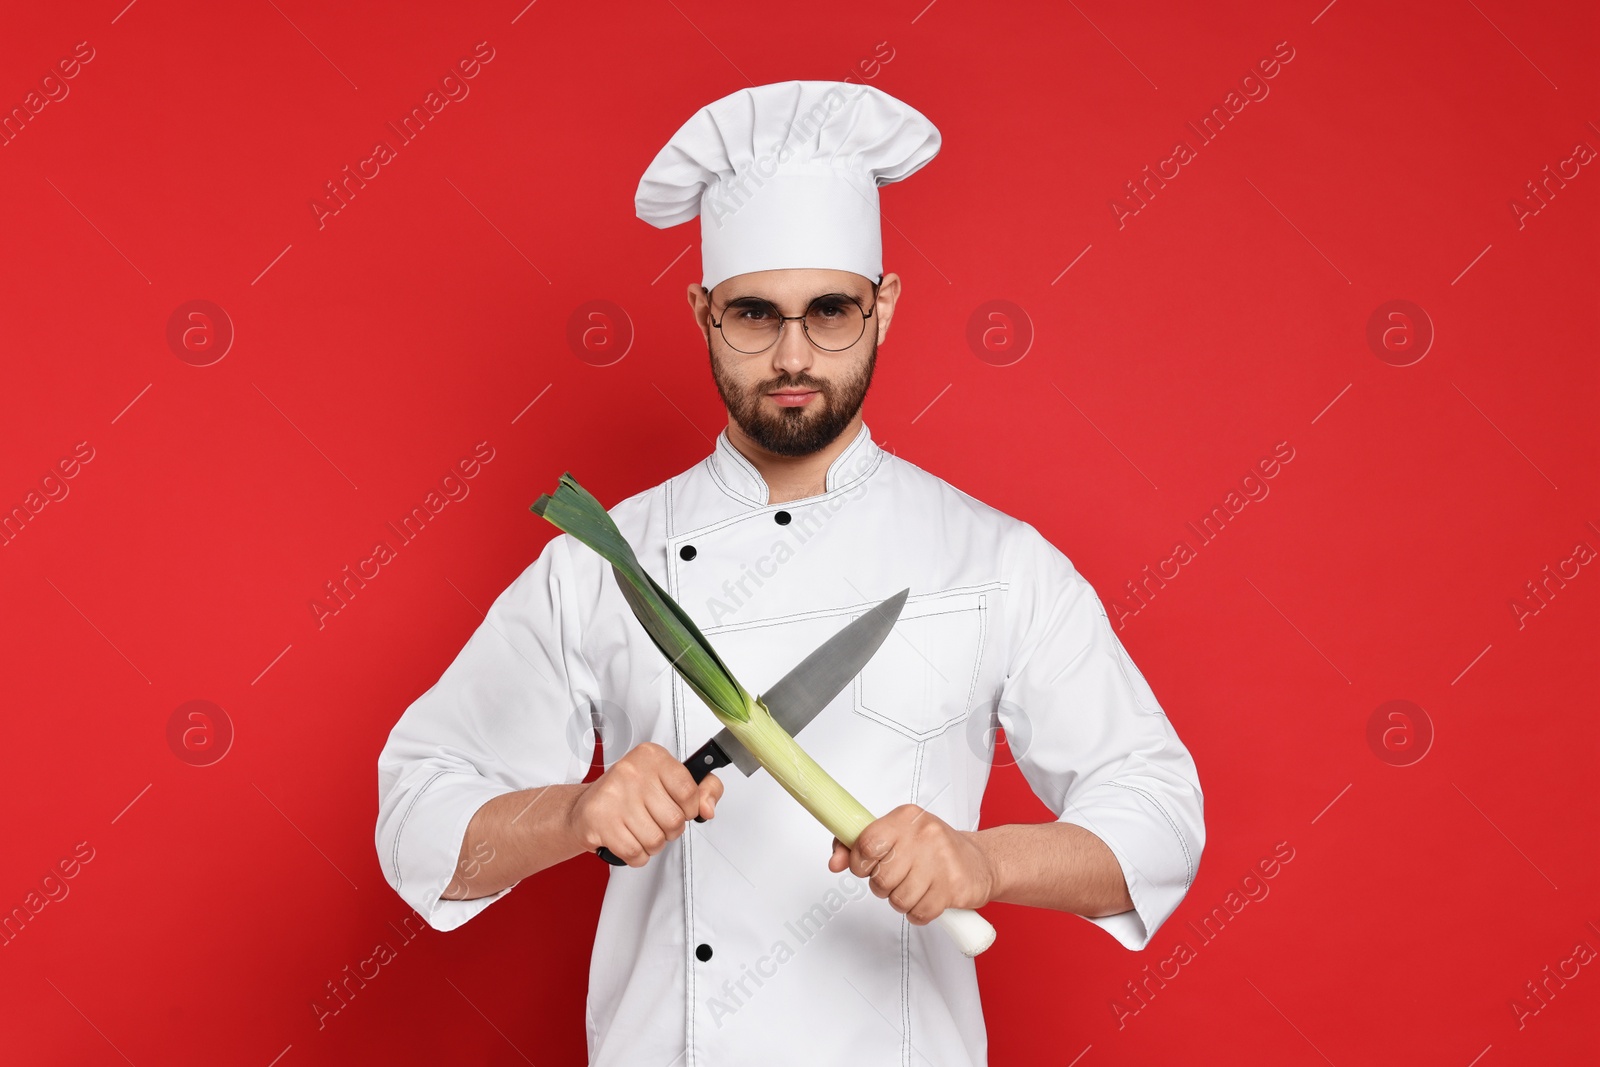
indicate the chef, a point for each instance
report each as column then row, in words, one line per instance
column 751, row 935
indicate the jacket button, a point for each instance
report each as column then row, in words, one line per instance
column 686, row 552
column 702, row 953
column 781, row 518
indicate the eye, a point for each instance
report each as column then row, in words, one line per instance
column 831, row 308
column 752, row 312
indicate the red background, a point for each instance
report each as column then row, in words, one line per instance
column 1227, row 315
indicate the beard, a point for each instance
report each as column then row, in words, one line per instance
column 796, row 431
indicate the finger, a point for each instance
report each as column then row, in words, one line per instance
column 861, row 865
column 875, row 856
column 886, row 877
column 644, row 758
column 911, row 890
column 667, row 813
column 710, row 792
column 707, row 804
column 625, row 846
column 863, row 853
column 680, row 786
column 642, row 825
column 894, row 865
column 840, row 858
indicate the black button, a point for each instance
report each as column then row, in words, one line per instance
column 686, row 552
column 702, row 953
column 781, row 518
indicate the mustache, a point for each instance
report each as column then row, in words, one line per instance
column 808, row 383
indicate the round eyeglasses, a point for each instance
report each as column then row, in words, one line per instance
column 832, row 322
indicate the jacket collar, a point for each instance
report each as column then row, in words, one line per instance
column 739, row 476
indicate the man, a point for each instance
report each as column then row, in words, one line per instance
column 751, row 937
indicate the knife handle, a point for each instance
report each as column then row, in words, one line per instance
column 707, row 759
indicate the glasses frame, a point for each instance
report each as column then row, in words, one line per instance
column 777, row 334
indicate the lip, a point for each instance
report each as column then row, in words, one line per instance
column 793, row 399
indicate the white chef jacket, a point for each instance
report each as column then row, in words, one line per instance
column 805, row 966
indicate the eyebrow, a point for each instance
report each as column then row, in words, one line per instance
column 768, row 300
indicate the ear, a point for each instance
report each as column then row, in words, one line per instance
column 700, row 306
column 888, row 295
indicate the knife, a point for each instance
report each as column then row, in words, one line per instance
column 800, row 695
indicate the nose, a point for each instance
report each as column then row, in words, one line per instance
column 794, row 352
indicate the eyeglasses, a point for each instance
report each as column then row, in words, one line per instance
column 832, row 322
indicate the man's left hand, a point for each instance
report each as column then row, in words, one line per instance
column 920, row 863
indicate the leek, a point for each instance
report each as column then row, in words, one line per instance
column 572, row 509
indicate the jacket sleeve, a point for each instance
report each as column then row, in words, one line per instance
column 1091, row 739
column 510, row 712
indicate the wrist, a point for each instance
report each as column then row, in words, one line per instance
column 993, row 865
column 570, row 819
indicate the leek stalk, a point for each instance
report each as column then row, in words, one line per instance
column 572, row 509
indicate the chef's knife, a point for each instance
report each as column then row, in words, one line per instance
column 800, row 695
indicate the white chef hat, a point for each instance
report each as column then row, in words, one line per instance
column 787, row 175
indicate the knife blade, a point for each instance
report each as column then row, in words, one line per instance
column 799, row 696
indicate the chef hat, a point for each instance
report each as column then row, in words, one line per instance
column 787, row 175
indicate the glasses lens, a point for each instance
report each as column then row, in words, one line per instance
column 750, row 325
column 834, row 323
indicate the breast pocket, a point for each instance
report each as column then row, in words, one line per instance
column 923, row 678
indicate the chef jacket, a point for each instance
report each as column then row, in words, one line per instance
column 735, row 944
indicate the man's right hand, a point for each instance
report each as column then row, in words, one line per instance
column 640, row 803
